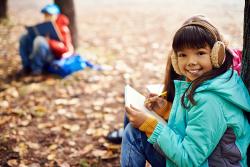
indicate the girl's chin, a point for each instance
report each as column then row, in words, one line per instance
column 192, row 77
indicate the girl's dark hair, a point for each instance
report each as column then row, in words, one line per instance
column 170, row 76
column 195, row 36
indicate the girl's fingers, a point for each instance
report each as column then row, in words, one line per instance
column 132, row 107
column 131, row 113
column 150, row 100
column 130, row 110
column 161, row 102
column 148, row 106
column 152, row 94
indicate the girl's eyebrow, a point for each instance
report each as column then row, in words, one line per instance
column 203, row 50
column 180, row 53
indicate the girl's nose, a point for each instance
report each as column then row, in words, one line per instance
column 192, row 61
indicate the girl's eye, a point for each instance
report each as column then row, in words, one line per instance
column 181, row 55
column 201, row 53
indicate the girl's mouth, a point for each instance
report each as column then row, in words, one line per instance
column 194, row 71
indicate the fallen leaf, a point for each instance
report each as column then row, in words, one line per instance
column 53, row 147
column 33, row 145
column 86, row 149
column 20, row 112
column 12, row 92
column 12, row 162
column 22, row 165
column 108, row 109
column 51, row 156
column 110, row 146
column 62, row 111
column 34, row 165
column 22, row 148
column 72, row 128
column 24, row 122
column 73, row 101
column 34, row 87
column 4, row 104
column 4, row 119
column 44, row 125
column 72, row 143
column 50, row 81
column 110, row 155
column 109, row 117
column 84, row 163
column 65, row 164
column 99, row 153
column 39, row 111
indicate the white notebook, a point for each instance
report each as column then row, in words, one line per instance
column 134, row 98
column 155, row 88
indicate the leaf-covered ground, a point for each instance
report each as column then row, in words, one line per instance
column 50, row 121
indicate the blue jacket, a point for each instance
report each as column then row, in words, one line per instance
column 191, row 135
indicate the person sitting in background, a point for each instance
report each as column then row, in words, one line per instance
column 39, row 51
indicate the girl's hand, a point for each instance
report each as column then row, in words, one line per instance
column 136, row 117
column 155, row 103
column 149, row 101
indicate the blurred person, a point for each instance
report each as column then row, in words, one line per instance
column 39, row 51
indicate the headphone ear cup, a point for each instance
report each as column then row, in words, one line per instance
column 218, row 54
column 174, row 62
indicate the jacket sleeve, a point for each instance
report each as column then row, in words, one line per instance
column 60, row 47
column 205, row 127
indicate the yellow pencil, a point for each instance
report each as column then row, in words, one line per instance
column 163, row 94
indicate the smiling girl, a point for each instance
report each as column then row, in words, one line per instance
column 207, row 125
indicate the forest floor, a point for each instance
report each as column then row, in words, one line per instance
column 52, row 121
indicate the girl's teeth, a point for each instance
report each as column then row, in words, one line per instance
column 193, row 71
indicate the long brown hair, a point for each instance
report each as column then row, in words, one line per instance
column 170, row 76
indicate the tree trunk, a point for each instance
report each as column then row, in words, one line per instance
column 67, row 8
column 3, row 9
column 245, row 69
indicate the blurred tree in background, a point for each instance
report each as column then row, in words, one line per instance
column 245, row 69
column 67, row 7
column 246, row 46
column 3, row 9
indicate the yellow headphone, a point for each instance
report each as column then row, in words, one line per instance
column 217, row 53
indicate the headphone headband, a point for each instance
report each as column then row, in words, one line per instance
column 204, row 25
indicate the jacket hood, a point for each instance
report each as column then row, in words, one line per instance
column 62, row 20
column 231, row 89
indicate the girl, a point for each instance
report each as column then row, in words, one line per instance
column 206, row 126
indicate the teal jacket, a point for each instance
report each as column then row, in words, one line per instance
column 192, row 134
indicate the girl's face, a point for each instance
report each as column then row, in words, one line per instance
column 194, row 62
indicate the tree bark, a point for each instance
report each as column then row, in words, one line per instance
column 245, row 69
column 67, row 8
column 3, row 9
